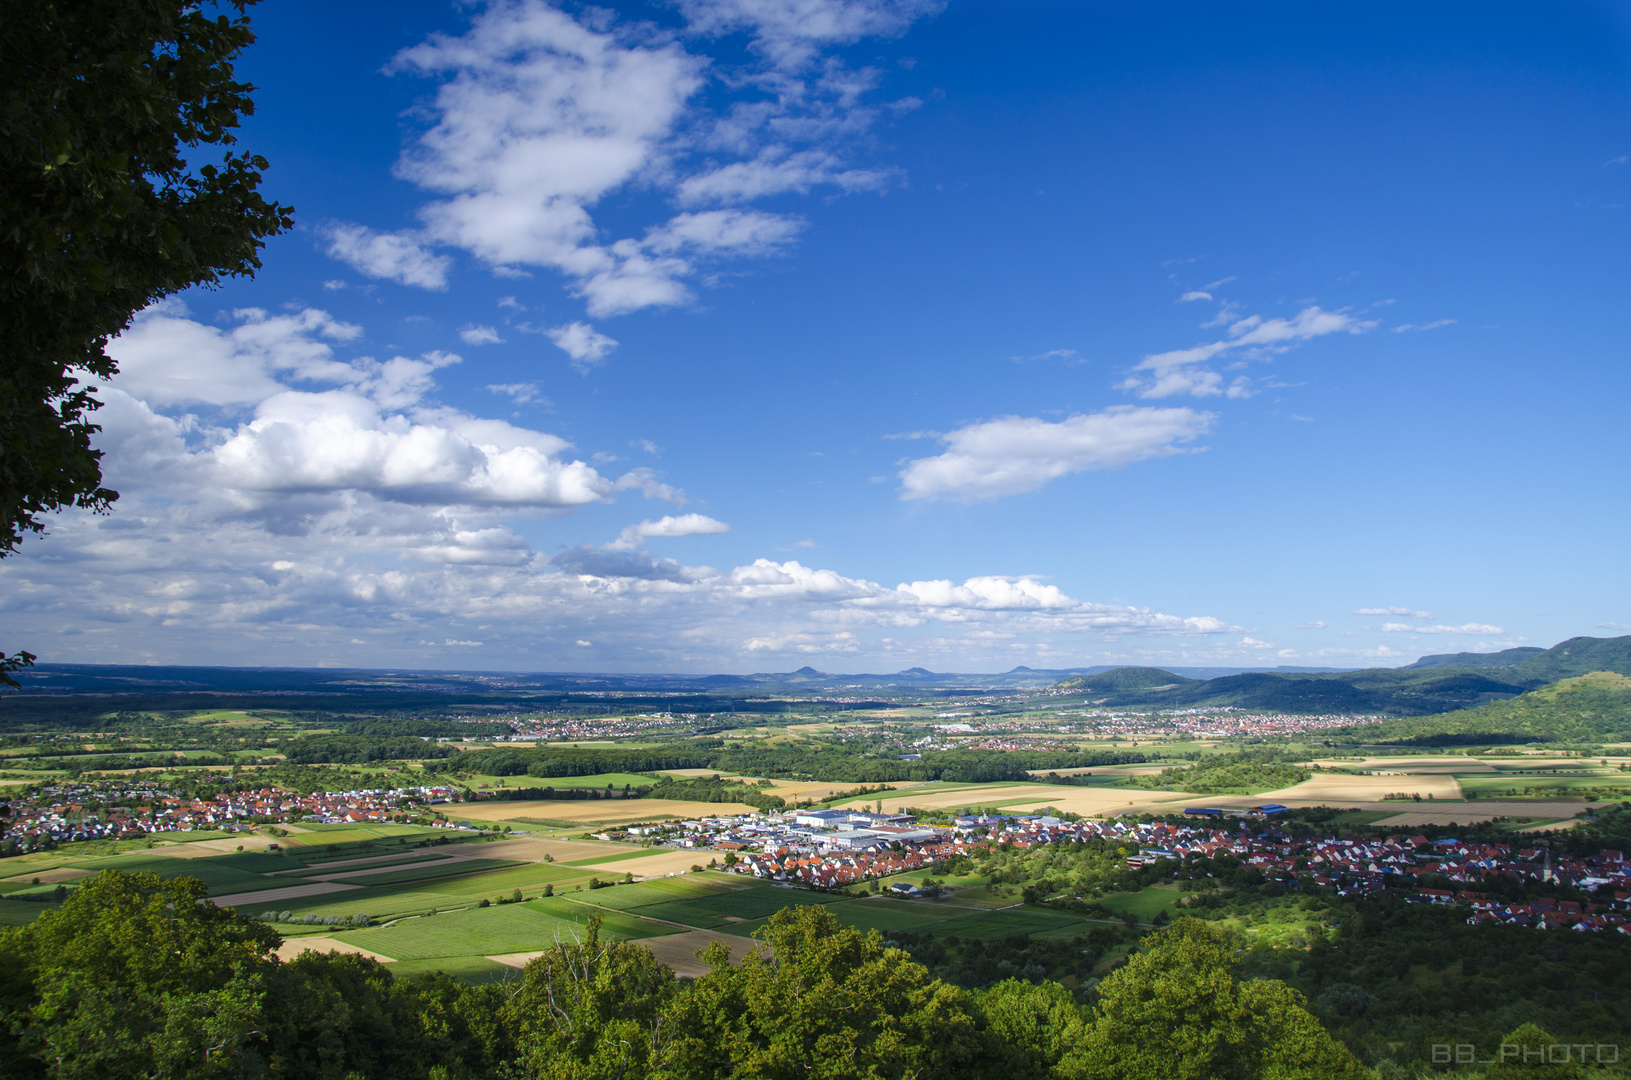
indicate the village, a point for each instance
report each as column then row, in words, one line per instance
column 833, row 849
column 128, row 810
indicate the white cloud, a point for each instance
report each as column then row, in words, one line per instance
column 790, row 33
column 1406, row 328
column 775, row 171
column 540, row 116
column 583, row 343
column 1311, row 626
column 1177, row 371
column 1473, row 629
column 666, row 527
column 1197, row 294
column 399, row 256
column 647, row 482
column 1014, row 454
column 1393, row 611
column 374, row 433
column 480, row 335
column 167, row 359
column 522, row 393
column 738, row 232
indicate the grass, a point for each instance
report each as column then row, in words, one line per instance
column 432, row 871
column 507, row 928
column 221, row 878
column 618, row 857
column 1144, row 903
column 23, row 912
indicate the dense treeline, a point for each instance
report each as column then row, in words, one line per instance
column 810, row 759
column 135, row 977
column 1225, row 774
column 362, row 749
column 715, row 790
column 848, row 764
column 573, row 761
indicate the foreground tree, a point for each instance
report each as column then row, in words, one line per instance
column 1176, row 1012
column 132, row 977
column 820, row 1001
column 101, row 214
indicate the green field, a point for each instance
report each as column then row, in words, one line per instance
column 1145, row 903
column 509, row 928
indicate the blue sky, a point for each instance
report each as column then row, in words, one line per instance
column 735, row 335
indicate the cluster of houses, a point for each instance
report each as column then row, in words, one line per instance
column 835, row 848
column 131, row 809
column 569, row 728
column 1358, row 867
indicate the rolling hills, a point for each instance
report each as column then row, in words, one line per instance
column 1432, row 685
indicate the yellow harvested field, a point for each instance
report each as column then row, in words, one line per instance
column 1424, row 764
column 205, row 849
column 665, row 862
column 295, row 946
column 271, row 896
column 1330, row 788
column 1483, row 810
column 1101, row 801
column 1080, row 800
column 592, row 811
column 50, row 877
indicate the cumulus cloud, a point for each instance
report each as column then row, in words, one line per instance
column 1178, row 371
column 373, row 431
column 667, row 526
column 1014, row 454
column 539, row 116
column 166, row 358
column 583, row 343
column 1316, row 625
column 398, row 256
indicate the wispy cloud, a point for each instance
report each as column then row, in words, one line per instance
column 1393, row 611
column 1014, row 454
column 1412, row 328
column 480, row 335
column 539, row 116
column 1181, row 371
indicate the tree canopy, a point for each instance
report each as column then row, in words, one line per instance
column 104, row 209
column 138, row 977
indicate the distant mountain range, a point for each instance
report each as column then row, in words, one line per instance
column 1433, row 684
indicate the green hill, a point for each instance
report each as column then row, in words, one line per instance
column 1595, row 707
column 1434, row 684
column 1126, row 678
